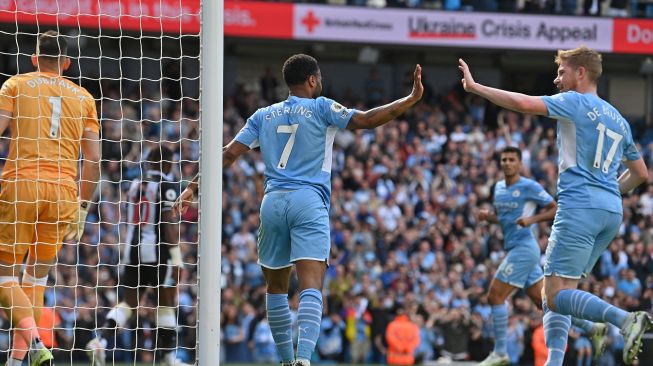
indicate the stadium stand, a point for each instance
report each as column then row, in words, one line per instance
column 618, row 8
column 404, row 232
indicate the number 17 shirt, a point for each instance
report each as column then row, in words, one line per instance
column 593, row 139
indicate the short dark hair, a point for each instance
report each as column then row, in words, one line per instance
column 51, row 44
column 159, row 157
column 298, row 68
column 512, row 150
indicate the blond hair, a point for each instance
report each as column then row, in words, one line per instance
column 585, row 57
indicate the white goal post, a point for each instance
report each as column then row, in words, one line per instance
column 211, row 94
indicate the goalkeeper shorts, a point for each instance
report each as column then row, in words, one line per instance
column 33, row 217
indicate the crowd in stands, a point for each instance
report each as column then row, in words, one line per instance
column 611, row 8
column 405, row 238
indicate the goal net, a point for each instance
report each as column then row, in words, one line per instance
column 140, row 62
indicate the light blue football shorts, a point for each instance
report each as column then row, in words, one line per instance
column 294, row 226
column 578, row 238
column 521, row 266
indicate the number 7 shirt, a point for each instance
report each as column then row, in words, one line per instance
column 593, row 139
column 296, row 139
column 50, row 115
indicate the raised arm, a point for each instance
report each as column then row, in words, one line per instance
column 379, row 116
column 517, row 102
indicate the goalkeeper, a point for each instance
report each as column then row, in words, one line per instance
column 50, row 118
column 151, row 260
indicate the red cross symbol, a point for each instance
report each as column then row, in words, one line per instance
column 310, row 21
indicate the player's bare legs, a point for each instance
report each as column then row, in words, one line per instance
column 18, row 308
column 34, row 280
column 311, row 279
column 278, row 282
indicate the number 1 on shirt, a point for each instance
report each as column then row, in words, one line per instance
column 56, row 116
column 292, row 130
column 616, row 138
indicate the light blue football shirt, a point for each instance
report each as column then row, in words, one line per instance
column 296, row 139
column 517, row 200
column 593, row 139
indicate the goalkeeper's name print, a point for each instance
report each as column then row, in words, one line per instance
column 300, row 110
column 35, row 82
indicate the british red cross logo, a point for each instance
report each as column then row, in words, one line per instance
column 310, row 21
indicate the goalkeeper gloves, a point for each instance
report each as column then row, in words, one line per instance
column 76, row 228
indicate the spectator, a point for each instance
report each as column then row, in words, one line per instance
column 269, row 84
column 515, row 338
column 264, row 350
column 374, row 88
column 629, row 284
column 427, row 340
column 380, row 310
column 455, row 325
column 582, row 346
column 234, row 335
column 357, row 328
column 330, row 344
column 618, row 9
column 539, row 346
column 402, row 336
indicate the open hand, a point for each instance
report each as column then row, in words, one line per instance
column 467, row 80
column 418, row 88
column 183, row 201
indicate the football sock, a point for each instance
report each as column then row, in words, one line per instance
column 581, row 304
column 556, row 331
column 280, row 325
column 309, row 318
column 500, row 324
